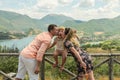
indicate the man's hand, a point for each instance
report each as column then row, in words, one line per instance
column 37, row 70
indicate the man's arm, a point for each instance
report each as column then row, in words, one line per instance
column 40, row 55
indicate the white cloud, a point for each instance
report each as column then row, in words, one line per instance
column 0, row 4
column 43, row 7
column 107, row 1
column 110, row 7
column 45, row 4
column 87, row 3
column 106, row 11
column 65, row 1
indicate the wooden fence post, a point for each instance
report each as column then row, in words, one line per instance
column 8, row 77
column 42, row 70
column 110, row 68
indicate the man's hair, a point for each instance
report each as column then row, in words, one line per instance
column 51, row 27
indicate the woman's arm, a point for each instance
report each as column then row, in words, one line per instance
column 75, row 52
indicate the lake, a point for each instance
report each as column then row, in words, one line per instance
column 19, row 43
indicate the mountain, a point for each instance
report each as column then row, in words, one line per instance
column 55, row 19
column 11, row 21
column 14, row 22
column 111, row 26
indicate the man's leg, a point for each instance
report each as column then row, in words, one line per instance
column 30, row 65
column 21, row 69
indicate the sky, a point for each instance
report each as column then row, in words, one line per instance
column 77, row 9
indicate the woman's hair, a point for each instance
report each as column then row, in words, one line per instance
column 70, row 35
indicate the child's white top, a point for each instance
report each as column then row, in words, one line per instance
column 59, row 44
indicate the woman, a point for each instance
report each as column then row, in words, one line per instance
column 84, row 63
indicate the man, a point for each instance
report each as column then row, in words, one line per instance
column 31, row 56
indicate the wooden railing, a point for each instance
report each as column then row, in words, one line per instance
column 110, row 59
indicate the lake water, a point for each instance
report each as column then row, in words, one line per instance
column 19, row 43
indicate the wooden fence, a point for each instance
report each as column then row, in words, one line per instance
column 110, row 59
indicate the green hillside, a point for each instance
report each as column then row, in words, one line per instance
column 99, row 25
column 14, row 25
column 55, row 18
column 11, row 22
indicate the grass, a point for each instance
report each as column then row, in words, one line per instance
column 106, row 78
column 51, row 78
column 96, row 50
column 53, row 74
column 1, row 77
column 99, row 50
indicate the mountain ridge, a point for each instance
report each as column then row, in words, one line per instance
column 10, row 21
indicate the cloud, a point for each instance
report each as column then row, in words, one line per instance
column 87, row 3
column 47, row 5
column 0, row 3
column 65, row 1
column 110, row 7
column 40, row 8
column 29, row 12
column 106, row 11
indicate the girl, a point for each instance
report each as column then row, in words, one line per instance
column 59, row 49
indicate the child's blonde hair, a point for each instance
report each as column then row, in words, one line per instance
column 61, row 28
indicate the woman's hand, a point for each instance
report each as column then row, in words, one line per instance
column 83, row 64
column 77, row 55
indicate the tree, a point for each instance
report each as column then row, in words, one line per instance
column 109, row 45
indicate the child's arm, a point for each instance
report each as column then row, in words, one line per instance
column 53, row 44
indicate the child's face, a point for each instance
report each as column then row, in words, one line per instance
column 60, row 33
